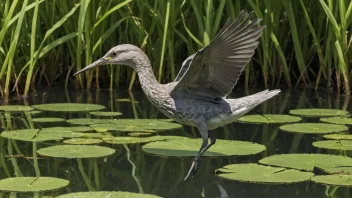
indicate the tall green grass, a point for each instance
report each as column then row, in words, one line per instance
column 305, row 43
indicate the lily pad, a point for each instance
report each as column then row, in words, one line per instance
column 140, row 134
column 88, row 121
column 127, row 125
column 104, row 113
column 313, row 128
column 344, row 145
column 83, row 141
column 318, row 112
column 41, row 120
column 35, row 112
column 337, row 120
column 68, row 129
column 262, row 174
column 338, row 136
column 109, row 194
column 32, row 184
column 105, row 127
column 306, row 162
column 126, row 100
column 32, row 135
column 23, row 134
column 76, row 151
column 114, row 127
column 62, row 134
column 15, row 108
column 190, row 147
column 69, row 107
column 334, row 180
column 137, row 140
column 269, row 118
column 37, row 135
column 167, row 120
column 151, row 124
column 343, row 170
column 96, row 135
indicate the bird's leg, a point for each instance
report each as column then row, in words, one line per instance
column 196, row 163
column 212, row 142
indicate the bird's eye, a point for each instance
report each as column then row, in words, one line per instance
column 113, row 53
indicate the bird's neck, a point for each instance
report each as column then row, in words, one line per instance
column 155, row 92
column 145, row 71
column 147, row 79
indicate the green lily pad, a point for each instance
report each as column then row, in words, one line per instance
column 127, row 125
column 96, row 135
column 35, row 112
column 313, row 128
column 114, row 127
column 190, row 147
column 269, row 118
column 76, row 151
column 344, row 145
column 15, row 108
column 23, row 134
column 69, row 107
column 337, row 120
column 343, row 170
column 167, row 120
column 109, row 194
column 306, row 162
column 334, row 180
column 137, row 140
column 107, row 114
column 62, row 134
column 37, row 135
column 31, row 135
column 88, row 121
column 318, row 112
column 151, row 124
column 41, row 120
column 140, row 134
column 100, row 130
column 32, row 184
column 83, row 141
column 105, row 127
column 127, row 100
column 338, row 136
column 68, row 129
column 256, row 173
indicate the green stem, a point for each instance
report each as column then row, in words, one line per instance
column 84, row 175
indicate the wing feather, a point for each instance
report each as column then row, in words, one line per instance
column 213, row 71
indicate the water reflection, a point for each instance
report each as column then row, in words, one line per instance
column 130, row 169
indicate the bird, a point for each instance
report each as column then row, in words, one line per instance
column 198, row 95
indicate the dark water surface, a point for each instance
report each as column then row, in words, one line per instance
column 130, row 169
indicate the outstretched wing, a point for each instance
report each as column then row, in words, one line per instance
column 187, row 62
column 213, row 71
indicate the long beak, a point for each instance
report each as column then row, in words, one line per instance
column 97, row 63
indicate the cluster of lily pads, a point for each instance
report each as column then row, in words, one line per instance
column 79, row 138
column 293, row 168
column 82, row 134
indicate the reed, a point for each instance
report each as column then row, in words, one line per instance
column 305, row 43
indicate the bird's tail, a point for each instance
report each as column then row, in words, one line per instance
column 263, row 96
column 243, row 105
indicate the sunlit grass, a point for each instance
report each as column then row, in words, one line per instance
column 304, row 43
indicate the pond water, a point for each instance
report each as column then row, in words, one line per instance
column 133, row 170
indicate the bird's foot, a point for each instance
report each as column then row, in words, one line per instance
column 194, row 167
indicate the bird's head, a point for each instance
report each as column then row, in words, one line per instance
column 124, row 54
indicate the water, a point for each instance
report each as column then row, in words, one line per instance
column 130, row 169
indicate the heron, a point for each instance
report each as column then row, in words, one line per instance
column 198, row 95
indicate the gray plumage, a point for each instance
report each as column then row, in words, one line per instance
column 197, row 97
